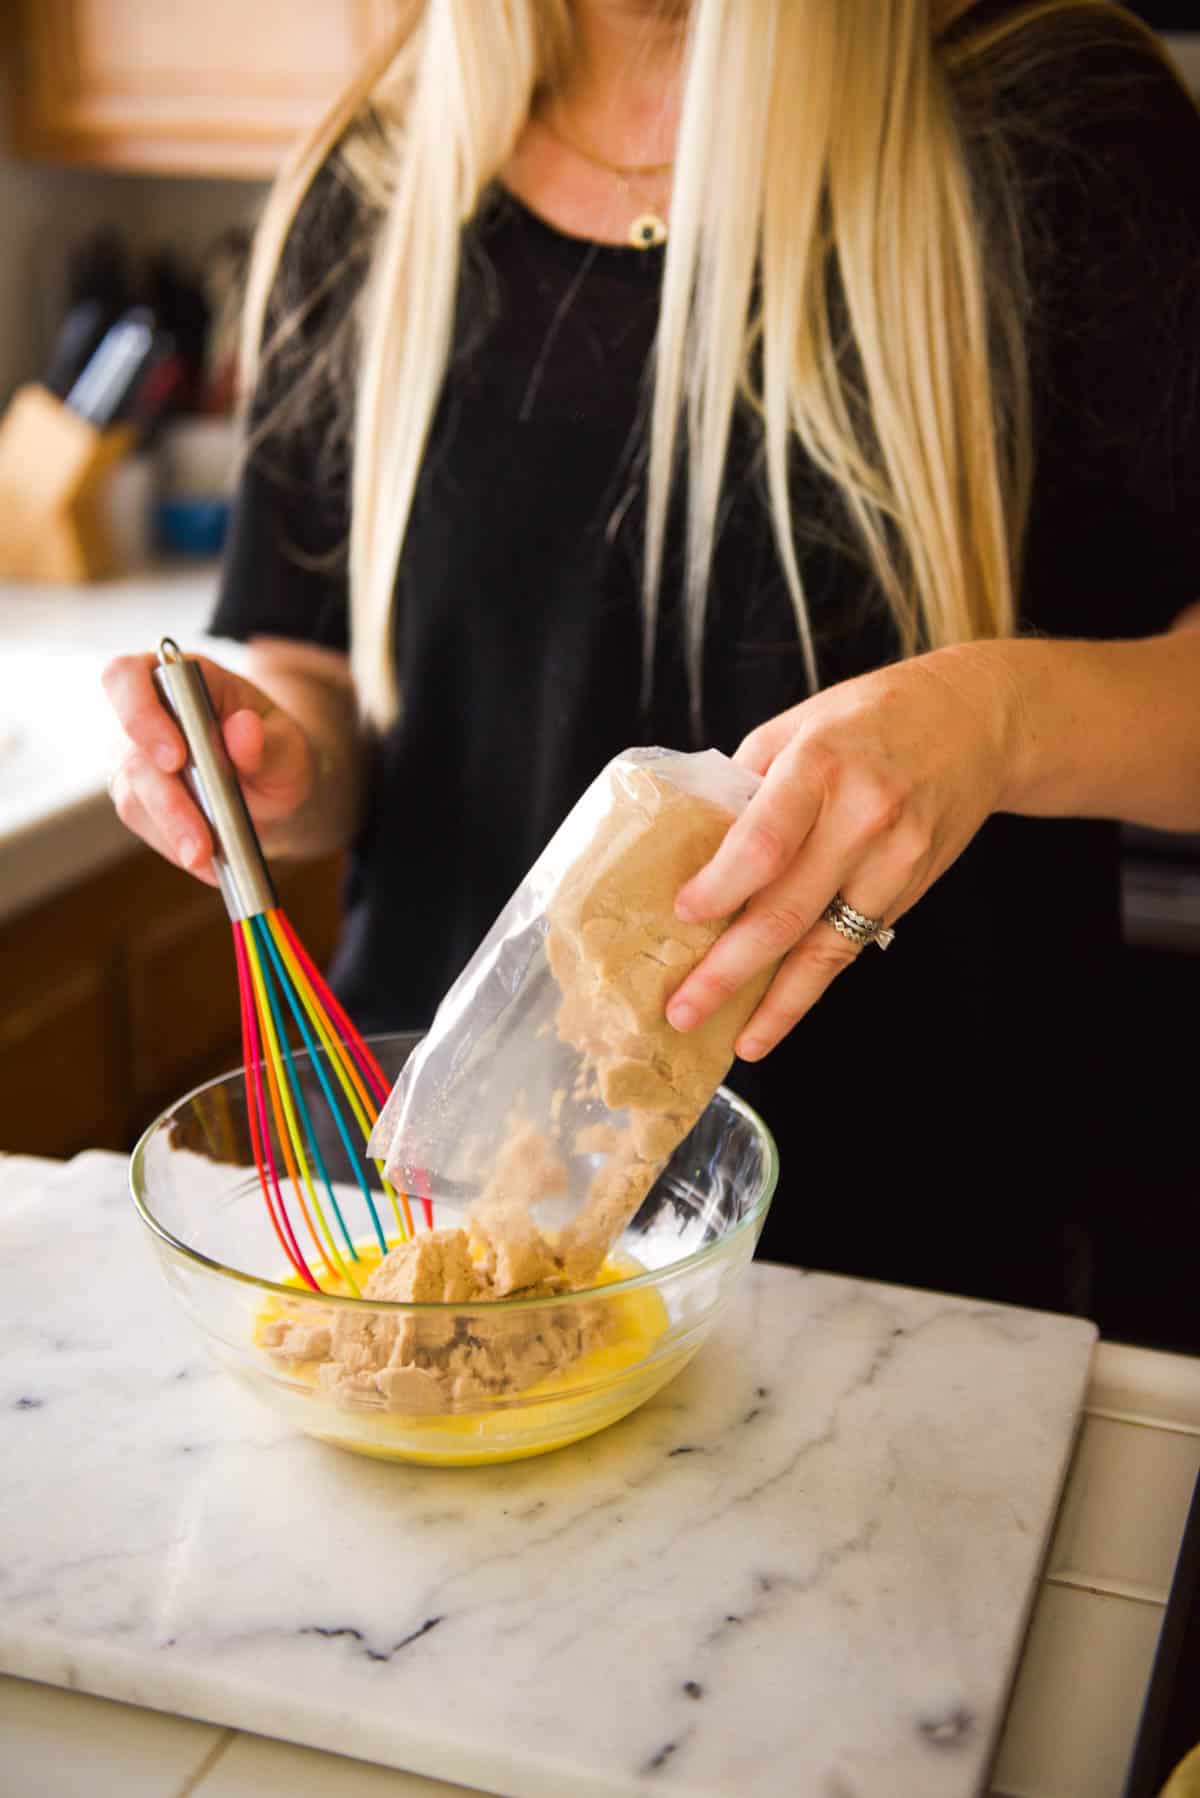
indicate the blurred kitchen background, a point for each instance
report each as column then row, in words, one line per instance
column 136, row 142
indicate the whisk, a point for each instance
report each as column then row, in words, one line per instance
column 285, row 1004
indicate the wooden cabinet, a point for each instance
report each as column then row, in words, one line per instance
column 121, row 994
column 215, row 87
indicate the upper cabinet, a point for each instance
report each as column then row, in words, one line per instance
column 199, row 87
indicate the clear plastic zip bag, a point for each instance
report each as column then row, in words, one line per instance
column 550, row 1090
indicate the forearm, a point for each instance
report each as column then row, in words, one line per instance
column 1094, row 730
column 314, row 686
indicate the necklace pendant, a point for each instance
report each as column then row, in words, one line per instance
column 647, row 231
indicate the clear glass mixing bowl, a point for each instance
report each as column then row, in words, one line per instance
column 196, row 1189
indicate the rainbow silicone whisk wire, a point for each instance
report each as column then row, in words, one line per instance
column 287, row 1011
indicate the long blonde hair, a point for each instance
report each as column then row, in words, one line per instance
column 838, row 260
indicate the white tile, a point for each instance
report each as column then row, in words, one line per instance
column 66, row 1745
column 280, row 1770
column 1131, row 1541
column 1147, row 1385
column 1078, row 1697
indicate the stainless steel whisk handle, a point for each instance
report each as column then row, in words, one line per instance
column 211, row 779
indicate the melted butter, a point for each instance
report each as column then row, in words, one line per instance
column 574, row 1400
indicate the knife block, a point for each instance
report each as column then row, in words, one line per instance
column 53, row 467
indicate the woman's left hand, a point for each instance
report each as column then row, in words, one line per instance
column 871, row 789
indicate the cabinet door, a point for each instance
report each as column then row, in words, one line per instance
column 183, row 86
column 121, row 993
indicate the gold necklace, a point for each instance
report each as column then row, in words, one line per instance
column 649, row 229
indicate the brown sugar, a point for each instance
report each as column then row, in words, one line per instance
column 617, row 952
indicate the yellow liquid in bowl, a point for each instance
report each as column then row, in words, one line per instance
column 574, row 1401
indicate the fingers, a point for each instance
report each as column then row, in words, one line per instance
column 778, row 917
column 149, row 798
column 806, row 973
column 269, row 751
column 245, row 739
column 870, row 789
column 758, row 846
column 128, row 682
column 272, row 754
column 157, row 807
column 757, row 751
column 129, row 685
column 783, row 923
column 147, row 793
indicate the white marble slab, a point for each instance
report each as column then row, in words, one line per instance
column 804, row 1569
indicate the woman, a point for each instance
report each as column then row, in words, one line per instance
column 818, row 382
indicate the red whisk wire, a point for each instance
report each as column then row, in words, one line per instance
column 374, row 1073
column 279, row 1112
column 260, row 1138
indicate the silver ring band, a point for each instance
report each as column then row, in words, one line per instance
column 855, row 926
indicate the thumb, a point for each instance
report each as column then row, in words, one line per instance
column 271, row 755
column 245, row 736
column 757, row 751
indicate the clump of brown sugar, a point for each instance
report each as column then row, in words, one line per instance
column 617, row 952
column 431, row 1361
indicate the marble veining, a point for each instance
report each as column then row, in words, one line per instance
column 804, row 1569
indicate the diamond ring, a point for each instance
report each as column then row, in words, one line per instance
column 855, row 926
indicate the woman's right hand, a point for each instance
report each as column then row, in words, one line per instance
column 272, row 754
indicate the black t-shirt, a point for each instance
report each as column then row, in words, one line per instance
column 947, row 1106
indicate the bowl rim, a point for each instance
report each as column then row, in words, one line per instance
column 649, row 1277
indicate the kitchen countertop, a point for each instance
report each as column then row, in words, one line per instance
column 1073, row 1711
column 58, row 737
